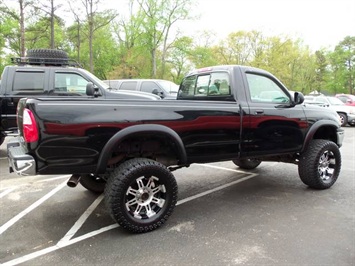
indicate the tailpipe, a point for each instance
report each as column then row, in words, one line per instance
column 73, row 180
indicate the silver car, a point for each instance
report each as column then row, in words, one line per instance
column 346, row 113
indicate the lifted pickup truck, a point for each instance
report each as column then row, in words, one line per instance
column 128, row 149
column 48, row 73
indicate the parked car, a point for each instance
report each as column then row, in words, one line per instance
column 348, row 99
column 346, row 113
column 49, row 73
column 164, row 88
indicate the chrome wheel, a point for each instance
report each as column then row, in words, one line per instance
column 326, row 166
column 145, row 197
column 141, row 194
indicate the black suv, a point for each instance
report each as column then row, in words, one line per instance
column 49, row 73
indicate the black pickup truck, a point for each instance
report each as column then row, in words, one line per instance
column 129, row 148
column 48, row 73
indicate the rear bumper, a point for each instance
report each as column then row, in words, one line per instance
column 351, row 119
column 19, row 162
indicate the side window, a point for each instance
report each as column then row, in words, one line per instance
column 208, row 85
column 342, row 98
column 128, row 85
column 70, row 82
column 264, row 89
column 29, row 81
column 150, row 86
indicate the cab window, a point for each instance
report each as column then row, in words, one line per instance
column 150, row 86
column 266, row 90
column 128, row 85
column 207, row 86
column 29, row 81
column 70, row 82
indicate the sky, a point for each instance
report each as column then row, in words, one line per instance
column 319, row 23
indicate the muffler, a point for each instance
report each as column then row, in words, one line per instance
column 73, row 180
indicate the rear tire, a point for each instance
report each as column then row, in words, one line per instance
column 93, row 183
column 247, row 164
column 141, row 194
column 2, row 139
column 319, row 166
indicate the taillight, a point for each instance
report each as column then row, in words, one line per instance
column 30, row 130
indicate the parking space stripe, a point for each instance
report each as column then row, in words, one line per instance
column 11, row 222
column 214, row 189
column 7, row 191
column 67, row 241
column 81, row 220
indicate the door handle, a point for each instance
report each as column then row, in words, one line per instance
column 259, row 112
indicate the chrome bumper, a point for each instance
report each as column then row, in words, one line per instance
column 19, row 162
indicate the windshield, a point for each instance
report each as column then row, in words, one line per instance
column 169, row 86
column 335, row 101
column 96, row 79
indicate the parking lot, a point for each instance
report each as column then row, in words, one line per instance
column 224, row 216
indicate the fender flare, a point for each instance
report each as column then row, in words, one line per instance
column 120, row 136
column 313, row 130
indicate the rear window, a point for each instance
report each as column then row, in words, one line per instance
column 210, row 86
column 28, row 81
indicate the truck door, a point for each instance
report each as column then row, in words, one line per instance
column 66, row 83
column 274, row 122
column 211, row 117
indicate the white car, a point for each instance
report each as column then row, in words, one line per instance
column 164, row 88
column 346, row 113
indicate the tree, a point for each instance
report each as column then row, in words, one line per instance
column 342, row 61
column 94, row 20
column 49, row 9
column 159, row 18
column 178, row 58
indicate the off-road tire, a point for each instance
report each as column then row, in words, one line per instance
column 319, row 166
column 141, row 194
column 47, row 53
column 343, row 119
column 247, row 164
column 93, row 183
column 47, row 56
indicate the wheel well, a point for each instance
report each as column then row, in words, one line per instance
column 326, row 132
column 158, row 147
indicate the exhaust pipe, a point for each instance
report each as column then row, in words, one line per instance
column 73, row 180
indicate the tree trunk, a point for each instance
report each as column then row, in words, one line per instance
column 22, row 28
column 52, row 25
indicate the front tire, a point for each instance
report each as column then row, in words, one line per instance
column 343, row 119
column 247, row 164
column 319, row 166
column 141, row 194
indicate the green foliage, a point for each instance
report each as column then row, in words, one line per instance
column 146, row 43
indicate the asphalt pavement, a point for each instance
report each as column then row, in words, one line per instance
column 224, row 216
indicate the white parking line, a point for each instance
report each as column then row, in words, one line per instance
column 80, row 221
column 11, row 222
column 67, row 241
column 7, row 191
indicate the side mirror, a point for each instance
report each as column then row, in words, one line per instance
column 298, row 98
column 159, row 93
column 91, row 90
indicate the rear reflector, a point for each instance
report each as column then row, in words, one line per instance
column 30, row 130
